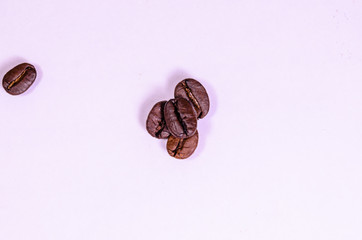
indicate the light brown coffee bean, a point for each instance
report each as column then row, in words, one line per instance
column 182, row 148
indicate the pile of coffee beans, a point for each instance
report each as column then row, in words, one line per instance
column 19, row 79
column 176, row 119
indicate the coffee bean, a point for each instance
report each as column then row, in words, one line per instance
column 155, row 124
column 19, row 79
column 180, row 118
column 182, row 148
column 193, row 91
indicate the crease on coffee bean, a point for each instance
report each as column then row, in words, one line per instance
column 162, row 124
column 160, row 127
column 183, row 125
column 18, row 79
column 178, row 147
column 191, row 96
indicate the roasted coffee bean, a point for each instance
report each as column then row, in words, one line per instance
column 182, row 148
column 180, row 118
column 193, row 91
column 19, row 79
column 155, row 124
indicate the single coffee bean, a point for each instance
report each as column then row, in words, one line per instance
column 19, row 79
column 180, row 118
column 182, row 148
column 193, row 91
column 156, row 124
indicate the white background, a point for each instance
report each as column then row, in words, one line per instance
column 280, row 152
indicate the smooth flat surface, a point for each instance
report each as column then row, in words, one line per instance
column 280, row 153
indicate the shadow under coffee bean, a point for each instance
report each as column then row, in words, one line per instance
column 176, row 119
column 19, row 79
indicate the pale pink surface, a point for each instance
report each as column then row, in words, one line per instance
column 280, row 153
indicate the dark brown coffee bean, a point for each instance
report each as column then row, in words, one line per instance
column 180, row 118
column 155, row 124
column 182, row 148
column 193, row 91
column 19, row 79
